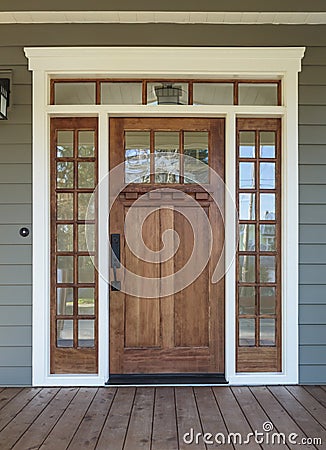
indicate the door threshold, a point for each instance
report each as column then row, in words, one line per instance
column 167, row 379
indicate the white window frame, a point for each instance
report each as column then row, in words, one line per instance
column 164, row 62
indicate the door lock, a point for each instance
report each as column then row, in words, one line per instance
column 115, row 261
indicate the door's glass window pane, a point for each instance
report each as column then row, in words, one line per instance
column 246, row 237
column 246, row 175
column 65, row 333
column 86, row 238
column 167, row 157
column 196, row 157
column 267, row 144
column 247, row 300
column 247, row 144
column 86, row 208
column 86, row 144
column 137, row 157
column 246, row 332
column 65, row 269
column 65, row 234
column 267, row 332
column 86, row 301
column 75, row 93
column 247, row 206
column 65, row 301
column 247, row 269
column 85, row 270
column 213, row 93
column 65, row 175
column 86, row 333
column 165, row 93
column 121, row 93
column 267, row 269
column 268, row 238
column 267, row 206
column 65, row 206
column 268, row 300
column 258, row 94
column 86, row 174
column 65, row 144
column 267, row 175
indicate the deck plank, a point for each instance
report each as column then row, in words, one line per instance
column 139, row 433
column 310, row 403
column 65, row 428
column 253, row 411
column 41, row 427
column 234, row 418
column 165, row 435
column 318, row 393
column 116, row 424
column 279, row 417
column 187, row 419
column 92, row 424
column 7, row 394
column 306, row 422
column 12, row 408
column 17, row 427
column 210, row 415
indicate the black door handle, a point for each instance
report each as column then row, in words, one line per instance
column 115, row 260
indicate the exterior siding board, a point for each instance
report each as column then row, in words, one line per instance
column 15, row 170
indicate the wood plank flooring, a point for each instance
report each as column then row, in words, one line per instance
column 163, row 418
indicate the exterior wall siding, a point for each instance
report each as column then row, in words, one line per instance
column 15, row 172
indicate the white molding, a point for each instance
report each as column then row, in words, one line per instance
column 177, row 17
column 283, row 63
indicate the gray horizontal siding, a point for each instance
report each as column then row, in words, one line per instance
column 15, row 376
column 312, row 374
column 16, row 336
column 16, row 295
column 312, row 234
column 312, row 294
column 312, row 274
column 15, row 254
column 9, row 234
column 13, row 316
column 15, row 193
column 312, row 194
column 312, row 354
column 312, row 254
column 318, row 338
column 15, row 356
column 312, row 314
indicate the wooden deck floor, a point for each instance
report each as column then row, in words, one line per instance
column 158, row 418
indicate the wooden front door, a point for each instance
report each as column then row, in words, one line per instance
column 166, row 313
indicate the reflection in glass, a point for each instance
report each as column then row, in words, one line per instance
column 65, row 206
column 86, row 333
column 268, row 300
column 86, row 207
column 65, row 144
column 196, row 167
column 258, row 94
column 65, row 234
column 246, row 175
column 267, row 144
column 86, row 301
column 167, row 157
column 86, row 144
column 75, row 93
column 85, row 270
column 267, row 175
column 246, row 237
column 65, row 333
column 267, row 206
column 247, row 144
column 267, row 269
column 86, row 175
column 65, row 175
column 86, row 238
column 247, row 206
column 181, row 99
column 213, row 93
column 137, row 157
column 267, row 238
column 121, row 93
column 246, row 332
column 267, row 332
column 65, row 301
column 65, row 269
column 247, row 268
column 247, row 300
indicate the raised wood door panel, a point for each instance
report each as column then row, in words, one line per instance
column 182, row 332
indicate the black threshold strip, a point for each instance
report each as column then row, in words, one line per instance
column 167, row 378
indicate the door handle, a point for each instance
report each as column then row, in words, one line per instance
column 115, row 261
